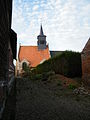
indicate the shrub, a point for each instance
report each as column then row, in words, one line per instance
column 27, row 71
column 59, row 83
column 45, row 76
column 36, row 77
column 68, row 63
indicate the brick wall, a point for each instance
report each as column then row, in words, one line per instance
column 5, row 26
column 11, row 66
column 86, row 63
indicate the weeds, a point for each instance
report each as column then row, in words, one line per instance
column 72, row 86
column 59, row 83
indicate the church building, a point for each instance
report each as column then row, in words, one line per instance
column 34, row 55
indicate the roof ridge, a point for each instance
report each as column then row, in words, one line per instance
column 28, row 45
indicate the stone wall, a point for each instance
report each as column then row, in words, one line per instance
column 86, row 63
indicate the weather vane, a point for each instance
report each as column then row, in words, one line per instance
column 41, row 20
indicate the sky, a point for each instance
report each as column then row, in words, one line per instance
column 66, row 23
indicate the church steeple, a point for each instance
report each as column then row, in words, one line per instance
column 41, row 39
column 41, row 30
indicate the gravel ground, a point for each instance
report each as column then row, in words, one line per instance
column 40, row 100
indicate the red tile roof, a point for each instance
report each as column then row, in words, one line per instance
column 33, row 55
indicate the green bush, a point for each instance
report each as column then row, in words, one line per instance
column 36, row 77
column 68, row 63
column 27, row 71
column 71, row 86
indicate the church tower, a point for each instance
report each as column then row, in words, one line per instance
column 41, row 40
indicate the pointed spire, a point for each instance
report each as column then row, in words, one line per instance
column 41, row 30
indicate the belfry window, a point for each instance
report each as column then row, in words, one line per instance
column 41, row 42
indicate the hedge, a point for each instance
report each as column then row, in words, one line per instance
column 68, row 64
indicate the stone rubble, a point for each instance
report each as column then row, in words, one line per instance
column 81, row 91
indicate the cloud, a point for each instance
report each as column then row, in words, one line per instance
column 65, row 22
column 35, row 7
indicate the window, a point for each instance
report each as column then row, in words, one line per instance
column 41, row 42
column 24, row 65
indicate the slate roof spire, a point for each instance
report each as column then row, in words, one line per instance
column 41, row 40
column 41, row 31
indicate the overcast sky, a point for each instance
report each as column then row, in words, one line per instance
column 66, row 23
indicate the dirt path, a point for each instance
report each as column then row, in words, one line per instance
column 10, row 108
column 41, row 101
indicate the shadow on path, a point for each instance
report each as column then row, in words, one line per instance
column 10, row 109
